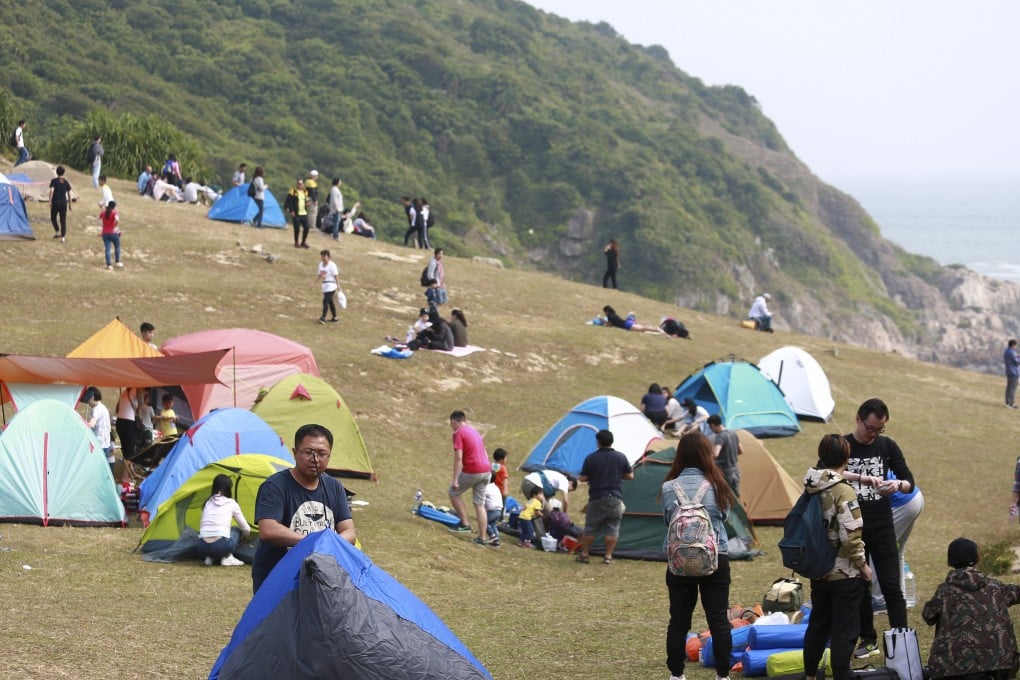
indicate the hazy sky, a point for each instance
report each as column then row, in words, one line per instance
column 865, row 90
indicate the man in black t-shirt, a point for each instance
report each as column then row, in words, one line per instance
column 60, row 203
column 294, row 503
column 872, row 456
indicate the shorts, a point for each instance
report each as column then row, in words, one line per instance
column 603, row 516
column 476, row 482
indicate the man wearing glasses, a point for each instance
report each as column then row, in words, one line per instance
column 294, row 503
column 872, row 456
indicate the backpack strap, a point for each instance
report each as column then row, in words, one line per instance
column 681, row 495
column 702, row 490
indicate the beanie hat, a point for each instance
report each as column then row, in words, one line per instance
column 963, row 553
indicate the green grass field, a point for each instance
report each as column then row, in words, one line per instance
column 89, row 608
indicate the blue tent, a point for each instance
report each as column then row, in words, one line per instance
column 13, row 216
column 218, row 434
column 237, row 206
column 567, row 443
column 327, row 611
column 53, row 471
column 742, row 396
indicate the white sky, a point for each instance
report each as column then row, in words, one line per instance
column 861, row 91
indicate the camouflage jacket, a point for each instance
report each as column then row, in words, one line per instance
column 973, row 630
column 843, row 517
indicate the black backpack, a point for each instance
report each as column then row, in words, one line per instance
column 425, row 276
column 805, row 546
column 251, row 189
column 90, row 157
column 13, row 141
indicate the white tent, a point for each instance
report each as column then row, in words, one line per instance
column 802, row 381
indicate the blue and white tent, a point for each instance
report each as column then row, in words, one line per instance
column 13, row 216
column 742, row 396
column 237, row 206
column 327, row 611
column 567, row 443
column 219, row 433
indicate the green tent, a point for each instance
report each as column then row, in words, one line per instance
column 642, row 530
column 300, row 399
column 184, row 508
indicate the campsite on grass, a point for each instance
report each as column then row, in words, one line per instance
column 525, row 393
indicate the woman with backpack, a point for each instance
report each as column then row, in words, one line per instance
column 693, row 480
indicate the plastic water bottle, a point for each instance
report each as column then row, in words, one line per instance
column 909, row 586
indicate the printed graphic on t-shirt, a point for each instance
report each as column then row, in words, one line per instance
column 311, row 516
column 867, row 467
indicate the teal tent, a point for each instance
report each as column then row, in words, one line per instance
column 53, row 471
column 742, row 396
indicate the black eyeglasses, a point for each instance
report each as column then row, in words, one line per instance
column 873, row 430
column 313, row 453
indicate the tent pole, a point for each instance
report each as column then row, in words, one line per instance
column 234, row 362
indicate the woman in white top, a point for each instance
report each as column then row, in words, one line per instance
column 217, row 538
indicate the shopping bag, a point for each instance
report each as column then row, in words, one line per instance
column 903, row 654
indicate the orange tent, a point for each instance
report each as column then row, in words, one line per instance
column 114, row 341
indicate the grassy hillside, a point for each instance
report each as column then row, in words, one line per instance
column 88, row 608
column 537, row 140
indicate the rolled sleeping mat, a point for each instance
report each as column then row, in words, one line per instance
column 756, row 660
column 739, row 637
column 792, row 663
column 783, row 636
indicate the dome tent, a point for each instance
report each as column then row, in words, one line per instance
column 302, row 398
column 742, row 396
column 327, row 611
column 802, row 380
column 567, row 443
column 53, row 470
column 237, row 206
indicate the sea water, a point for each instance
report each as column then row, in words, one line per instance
column 976, row 224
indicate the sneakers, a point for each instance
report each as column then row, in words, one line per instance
column 109, row 268
column 461, row 529
column 231, row 561
column 119, row 264
column 208, row 561
column 333, row 320
column 878, row 606
column 678, row 677
column 866, row 650
column 322, row 319
column 526, row 545
column 478, row 541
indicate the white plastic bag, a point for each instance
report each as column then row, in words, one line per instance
column 903, row 654
column 341, row 299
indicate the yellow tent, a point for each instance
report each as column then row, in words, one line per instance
column 767, row 492
column 302, row 398
column 114, row 341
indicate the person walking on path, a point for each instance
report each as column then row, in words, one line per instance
column 111, row 234
column 692, row 468
column 19, row 142
column 95, row 159
column 60, row 203
column 1012, row 361
column 471, row 470
column 612, row 252
column 604, row 471
column 872, row 457
column 329, row 278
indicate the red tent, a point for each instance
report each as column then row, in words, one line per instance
column 255, row 360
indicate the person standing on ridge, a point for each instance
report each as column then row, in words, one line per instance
column 19, row 142
column 95, row 159
column 60, row 203
column 1012, row 361
column 612, row 252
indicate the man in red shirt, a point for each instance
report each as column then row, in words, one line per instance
column 471, row 470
